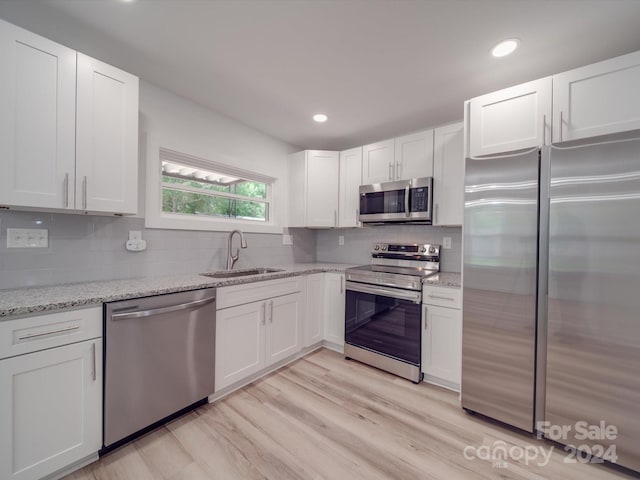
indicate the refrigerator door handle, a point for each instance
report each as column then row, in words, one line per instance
column 507, row 155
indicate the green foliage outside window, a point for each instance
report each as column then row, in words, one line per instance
column 210, row 199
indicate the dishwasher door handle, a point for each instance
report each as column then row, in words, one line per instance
column 158, row 311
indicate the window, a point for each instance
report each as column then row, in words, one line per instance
column 192, row 193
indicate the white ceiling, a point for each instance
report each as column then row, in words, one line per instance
column 378, row 68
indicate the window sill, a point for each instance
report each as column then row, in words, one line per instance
column 209, row 224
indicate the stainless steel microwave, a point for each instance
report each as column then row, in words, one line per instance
column 401, row 201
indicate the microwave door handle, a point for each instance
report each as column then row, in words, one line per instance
column 407, row 190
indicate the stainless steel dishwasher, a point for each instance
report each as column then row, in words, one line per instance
column 159, row 360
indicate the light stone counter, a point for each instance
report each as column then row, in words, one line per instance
column 444, row 279
column 24, row 301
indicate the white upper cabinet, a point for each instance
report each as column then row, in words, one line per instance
column 402, row 158
column 350, row 181
column 512, row 119
column 37, row 120
column 448, row 175
column 107, row 138
column 313, row 189
column 414, row 155
column 378, row 162
column 597, row 99
column 68, row 128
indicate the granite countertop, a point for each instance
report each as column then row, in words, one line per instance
column 23, row 301
column 444, row 279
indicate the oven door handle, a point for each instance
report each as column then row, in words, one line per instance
column 414, row 297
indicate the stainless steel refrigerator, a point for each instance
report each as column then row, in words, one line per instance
column 551, row 300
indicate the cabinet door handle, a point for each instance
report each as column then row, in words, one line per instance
column 271, row 311
column 66, row 190
column 424, row 315
column 398, row 169
column 357, row 216
column 84, row 193
column 435, row 214
column 544, row 130
column 93, row 364
column 390, row 171
column 341, row 284
column 263, row 308
column 440, row 297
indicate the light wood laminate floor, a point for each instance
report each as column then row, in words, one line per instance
column 323, row 417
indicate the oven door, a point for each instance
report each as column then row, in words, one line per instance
column 384, row 320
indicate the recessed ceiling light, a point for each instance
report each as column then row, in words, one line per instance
column 505, row 47
column 320, row 118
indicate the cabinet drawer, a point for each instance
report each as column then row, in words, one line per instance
column 30, row 334
column 441, row 296
column 253, row 292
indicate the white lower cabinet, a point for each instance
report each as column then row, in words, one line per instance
column 314, row 314
column 325, row 309
column 50, row 400
column 334, row 299
column 256, row 335
column 442, row 337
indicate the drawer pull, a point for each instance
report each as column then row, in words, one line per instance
column 440, row 297
column 51, row 332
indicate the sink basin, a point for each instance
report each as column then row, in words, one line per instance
column 241, row 273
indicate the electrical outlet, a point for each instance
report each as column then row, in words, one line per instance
column 27, row 238
column 287, row 239
column 446, row 242
column 340, row 239
column 135, row 235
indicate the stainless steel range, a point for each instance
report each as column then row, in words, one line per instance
column 383, row 312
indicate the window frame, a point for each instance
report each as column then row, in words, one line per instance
column 155, row 217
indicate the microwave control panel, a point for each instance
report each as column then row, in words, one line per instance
column 420, row 199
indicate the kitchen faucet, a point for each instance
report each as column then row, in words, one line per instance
column 231, row 259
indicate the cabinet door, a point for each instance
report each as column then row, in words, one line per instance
column 378, row 162
column 441, row 344
column 414, row 155
column 334, row 299
column 322, row 188
column 448, row 175
column 350, row 181
column 315, row 305
column 597, row 99
column 50, row 409
column 512, row 119
column 107, row 138
column 239, row 342
column 283, row 335
column 37, row 120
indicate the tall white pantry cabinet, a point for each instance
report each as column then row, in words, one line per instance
column 68, row 128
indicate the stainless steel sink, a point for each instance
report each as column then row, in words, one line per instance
column 241, row 273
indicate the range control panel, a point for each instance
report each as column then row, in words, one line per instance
column 408, row 249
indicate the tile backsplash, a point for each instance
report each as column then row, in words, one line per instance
column 84, row 248
column 359, row 241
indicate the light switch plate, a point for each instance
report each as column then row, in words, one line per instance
column 27, row 238
column 446, row 242
column 340, row 239
column 287, row 239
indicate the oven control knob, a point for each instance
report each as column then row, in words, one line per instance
column 423, row 249
column 377, row 247
column 384, row 247
column 432, row 249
